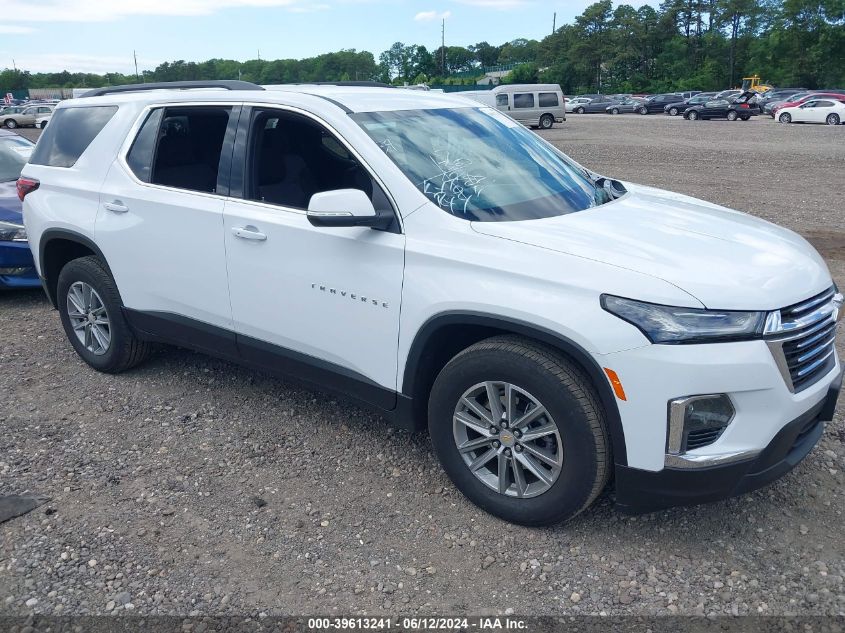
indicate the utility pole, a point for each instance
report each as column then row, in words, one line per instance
column 14, row 66
column 259, row 54
column 135, row 57
column 443, row 48
column 554, row 23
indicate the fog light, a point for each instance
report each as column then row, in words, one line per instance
column 697, row 421
column 13, row 272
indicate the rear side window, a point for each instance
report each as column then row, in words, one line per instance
column 180, row 147
column 69, row 135
column 548, row 100
column 523, row 100
column 501, row 100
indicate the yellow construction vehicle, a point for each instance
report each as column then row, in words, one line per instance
column 753, row 83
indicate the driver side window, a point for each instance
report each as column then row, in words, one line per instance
column 292, row 157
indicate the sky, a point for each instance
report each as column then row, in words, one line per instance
column 99, row 36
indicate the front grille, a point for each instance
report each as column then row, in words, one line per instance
column 806, row 352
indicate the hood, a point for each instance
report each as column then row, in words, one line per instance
column 11, row 209
column 726, row 259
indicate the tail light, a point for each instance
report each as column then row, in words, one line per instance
column 25, row 186
column 743, row 105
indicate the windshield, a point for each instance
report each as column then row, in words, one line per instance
column 14, row 152
column 481, row 165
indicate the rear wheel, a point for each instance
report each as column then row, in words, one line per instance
column 643, row 110
column 732, row 115
column 11, row 124
column 745, row 118
column 785, row 118
column 518, row 428
column 547, row 121
column 92, row 316
column 579, row 110
column 832, row 119
column 673, row 111
column 693, row 115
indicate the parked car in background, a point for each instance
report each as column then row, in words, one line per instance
column 727, row 94
column 679, row 107
column 625, row 106
column 26, row 117
column 17, row 270
column 534, row 105
column 597, row 105
column 730, row 109
column 656, row 103
column 42, row 120
column 800, row 100
column 689, row 94
column 573, row 103
column 829, row 111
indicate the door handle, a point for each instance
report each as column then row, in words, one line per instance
column 115, row 207
column 249, row 232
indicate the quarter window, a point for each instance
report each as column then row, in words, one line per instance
column 548, row 100
column 501, row 100
column 523, row 100
column 69, row 134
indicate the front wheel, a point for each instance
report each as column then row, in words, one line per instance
column 546, row 122
column 832, row 119
column 643, row 110
column 91, row 312
column 579, row 110
column 615, row 111
column 673, row 111
column 43, row 124
column 11, row 124
column 693, row 116
column 520, row 431
column 785, row 118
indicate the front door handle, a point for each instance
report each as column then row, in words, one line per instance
column 115, row 207
column 248, row 232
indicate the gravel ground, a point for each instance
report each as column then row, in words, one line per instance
column 192, row 486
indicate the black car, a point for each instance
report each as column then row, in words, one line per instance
column 599, row 104
column 730, row 109
column 625, row 106
column 657, row 103
column 679, row 107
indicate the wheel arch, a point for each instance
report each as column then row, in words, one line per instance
column 56, row 248
column 444, row 335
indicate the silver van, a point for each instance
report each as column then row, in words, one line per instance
column 534, row 105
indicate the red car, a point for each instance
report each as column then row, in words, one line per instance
column 813, row 95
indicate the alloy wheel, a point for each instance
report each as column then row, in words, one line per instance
column 89, row 318
column 508, row 439
column 832, row 119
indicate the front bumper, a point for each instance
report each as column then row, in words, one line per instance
column 639, row 491
column 16, row 256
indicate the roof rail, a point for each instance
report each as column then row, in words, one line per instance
column 354, row 84
column 225, row 84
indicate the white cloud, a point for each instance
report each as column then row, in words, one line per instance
column 11, row 29
column 501, row 5
column 99, row 11
column 428, row 16
column 57, row 62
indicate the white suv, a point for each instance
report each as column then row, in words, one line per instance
column 552, row 328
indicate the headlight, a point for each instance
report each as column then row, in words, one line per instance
column 670, row 324
column 10, row 232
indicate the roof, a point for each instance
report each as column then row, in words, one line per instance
column 349, row 98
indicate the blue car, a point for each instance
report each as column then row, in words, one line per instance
column 17, row 269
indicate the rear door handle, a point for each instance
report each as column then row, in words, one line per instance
column 248, row 232
column 115, row 207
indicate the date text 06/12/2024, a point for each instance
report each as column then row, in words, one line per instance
column 419, row 623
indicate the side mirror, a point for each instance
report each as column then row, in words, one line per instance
column 346, row 207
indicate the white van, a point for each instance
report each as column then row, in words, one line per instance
column 534, row 105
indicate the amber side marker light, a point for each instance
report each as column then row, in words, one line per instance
column 615, row 383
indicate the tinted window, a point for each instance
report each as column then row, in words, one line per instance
column 292, row 158
column 548, row 100
column 69, row 134
column 823, row 104
column 140, row 157
column 188, row 145
column 523, row 100
column 501, row 100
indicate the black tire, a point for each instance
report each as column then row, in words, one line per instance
column 692, row 116
column 673, row 111
column 125, row 349
column 832, row 119
column 43, row 124
column 579, row 110
column 547, row 122
column 570, row 399
column 732, row 115
column 745, row 118
column 785, row 117
column 10, row 123
column 615, row 111
column 643, row 110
